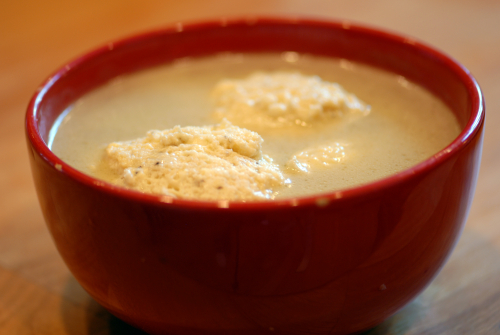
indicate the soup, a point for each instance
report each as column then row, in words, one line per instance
column 406, row 124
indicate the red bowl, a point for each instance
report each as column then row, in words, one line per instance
column 334, row 263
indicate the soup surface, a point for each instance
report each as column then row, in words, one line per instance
column 405, row 125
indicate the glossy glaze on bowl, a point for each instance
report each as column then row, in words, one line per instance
column 334, row 263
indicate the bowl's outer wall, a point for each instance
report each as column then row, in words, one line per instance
column 331, row 268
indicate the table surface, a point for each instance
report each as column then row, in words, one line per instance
column 39, row 296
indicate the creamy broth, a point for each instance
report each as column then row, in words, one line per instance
column 405, row 126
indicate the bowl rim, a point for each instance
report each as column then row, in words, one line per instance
column 469, row 131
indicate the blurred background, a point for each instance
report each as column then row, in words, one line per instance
column 39, row 296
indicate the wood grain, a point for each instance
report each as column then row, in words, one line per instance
column 37, row 293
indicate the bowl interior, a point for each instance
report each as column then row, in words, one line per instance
column 415, row 61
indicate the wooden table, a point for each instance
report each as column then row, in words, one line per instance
column 39, row 296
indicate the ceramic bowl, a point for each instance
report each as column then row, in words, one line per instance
column 334, row 263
